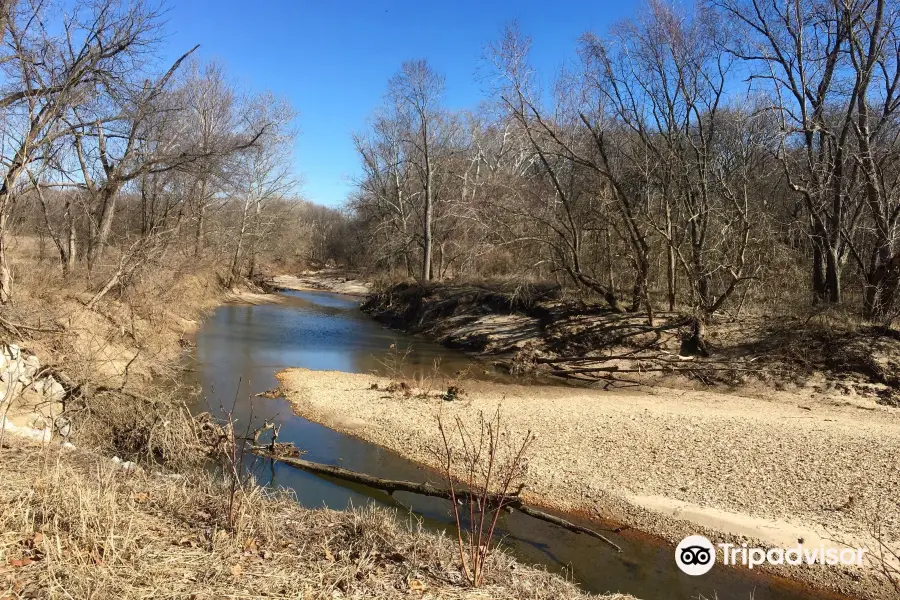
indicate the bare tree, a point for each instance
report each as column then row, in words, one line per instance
column 260, row 174
column 818, row 59
column 416, row 92
column 48, row 73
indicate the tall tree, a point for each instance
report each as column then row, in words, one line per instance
column 417, row 92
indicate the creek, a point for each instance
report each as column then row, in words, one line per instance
column 240, row 347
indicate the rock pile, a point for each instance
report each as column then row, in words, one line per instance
column 30, row 397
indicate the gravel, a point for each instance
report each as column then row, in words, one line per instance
column 669, row 462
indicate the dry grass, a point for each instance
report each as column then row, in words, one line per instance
column 131, row 337
column 72, row 525
column 116, row 356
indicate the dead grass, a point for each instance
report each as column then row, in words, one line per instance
column 72, row 525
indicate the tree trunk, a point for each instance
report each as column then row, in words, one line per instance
column 640, row 291
column 63, row 257
column 694, row 343
column 254, row 241
column 236, row 259
column 109, row 196
column 201, row 215
column 819, row 285
column 881, row 289
column 5, row 272
column 512, row 501
column 670, row 257
column 833, row 276
column 429, row 209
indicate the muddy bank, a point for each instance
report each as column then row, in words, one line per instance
column 536, row 330
column 671, row 463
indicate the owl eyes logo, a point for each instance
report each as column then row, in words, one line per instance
column 695, row 555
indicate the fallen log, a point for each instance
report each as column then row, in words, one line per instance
column 426, row 489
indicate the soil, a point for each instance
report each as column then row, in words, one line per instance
column 669, row 462
column 538, row 331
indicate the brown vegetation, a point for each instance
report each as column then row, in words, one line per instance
column 76, row 526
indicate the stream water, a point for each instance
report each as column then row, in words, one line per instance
column 240, row 347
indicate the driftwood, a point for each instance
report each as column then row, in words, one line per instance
column 426, row 489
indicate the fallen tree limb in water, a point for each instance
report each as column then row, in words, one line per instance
column 426, row 489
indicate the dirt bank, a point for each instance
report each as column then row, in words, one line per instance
column 323, row 281
column 538, row 330
column 669, row 462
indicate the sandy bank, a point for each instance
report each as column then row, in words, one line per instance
column 322, row 281
column 540, row 331
column 237, row 296
column 669, row 462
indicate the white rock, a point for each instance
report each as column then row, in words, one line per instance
column 68, row 446
column 26, row 432
column 15, row 368
column 125, row 465
column 53, row 390
column 10, row 390
column 31, row 365
column 12, row 351
column 3, row 361
column 63, row 426
column 38, row 385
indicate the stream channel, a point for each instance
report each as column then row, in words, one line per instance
column 240, row 347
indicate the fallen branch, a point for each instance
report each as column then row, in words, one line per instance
column 10, row 324
column 698, row 368
column 426, row 489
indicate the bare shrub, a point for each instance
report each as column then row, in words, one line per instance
column 489, row 465
column 884, row 551
column 153, row 430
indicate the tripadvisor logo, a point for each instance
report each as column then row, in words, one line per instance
column 695, row 555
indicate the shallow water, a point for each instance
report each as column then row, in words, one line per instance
column 239, row 348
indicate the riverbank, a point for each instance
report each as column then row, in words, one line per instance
column 322, row 281
column 539, row 330
column 668, row 462
column 116, row 501
column 77, row 525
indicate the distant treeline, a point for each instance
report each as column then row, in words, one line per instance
column 717, row 157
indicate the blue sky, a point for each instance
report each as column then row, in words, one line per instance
column 332, row 60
